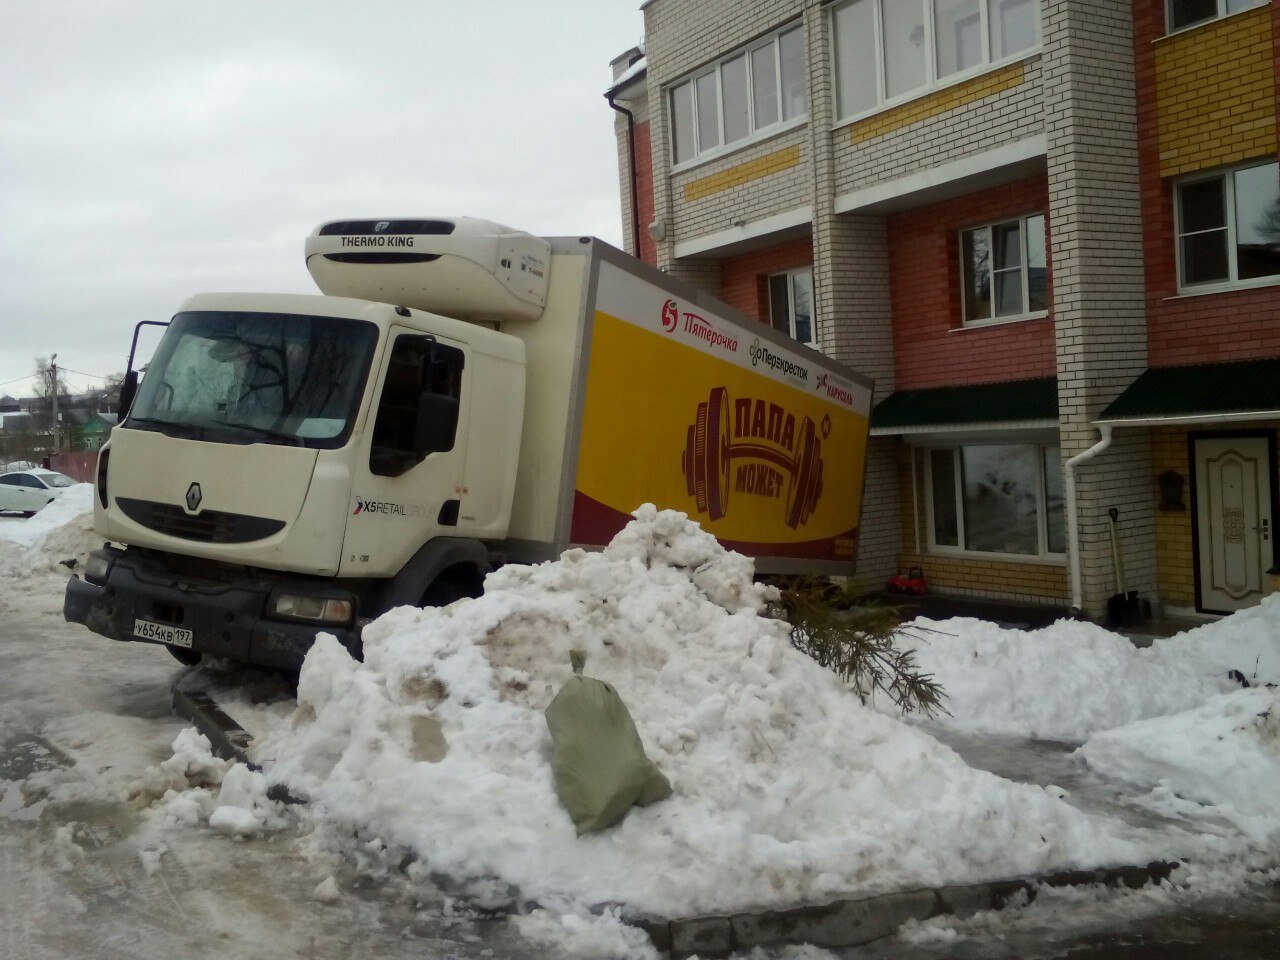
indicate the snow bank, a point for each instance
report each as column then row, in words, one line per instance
column 74, row 503
column 1248, row 641
column 1224, row 754
column 1073, row 679
column 1062, row 682
column 787, row 789
column 31, row 550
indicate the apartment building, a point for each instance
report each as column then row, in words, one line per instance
column 1044, row 228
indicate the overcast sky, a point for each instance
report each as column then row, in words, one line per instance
column 152, row 149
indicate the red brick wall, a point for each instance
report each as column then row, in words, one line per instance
column 1235, row 325
column 744, row 278
column 931, row 346
column 644, row 190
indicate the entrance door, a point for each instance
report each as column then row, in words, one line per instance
column 1233, row 517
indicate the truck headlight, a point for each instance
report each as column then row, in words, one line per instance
column 318, row 609
column 97, row 567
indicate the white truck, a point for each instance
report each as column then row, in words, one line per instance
column 462, row 395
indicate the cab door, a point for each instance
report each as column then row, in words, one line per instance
column 408, row 480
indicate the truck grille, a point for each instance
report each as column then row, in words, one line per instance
column 209, row 526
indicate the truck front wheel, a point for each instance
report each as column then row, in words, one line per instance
column 455, row 584
column 188, row 658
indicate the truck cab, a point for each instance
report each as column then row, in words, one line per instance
column 292, row 462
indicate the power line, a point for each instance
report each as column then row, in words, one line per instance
column 91, row 376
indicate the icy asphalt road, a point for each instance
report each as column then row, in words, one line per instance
column 87, row 875
column 89, row 716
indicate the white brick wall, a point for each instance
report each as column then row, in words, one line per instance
column 976, row 127
column 1095, row 212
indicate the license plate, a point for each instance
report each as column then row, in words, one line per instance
column 175, row 636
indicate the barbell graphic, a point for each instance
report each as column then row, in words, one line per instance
column 710, row 449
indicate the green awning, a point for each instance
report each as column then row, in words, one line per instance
column 1012, row 403
column 1207, row 391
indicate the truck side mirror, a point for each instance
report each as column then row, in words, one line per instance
column 437, row 423
column 128, row 390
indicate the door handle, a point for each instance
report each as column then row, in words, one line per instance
column 1265, row 529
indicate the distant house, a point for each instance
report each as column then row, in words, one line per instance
column 95, row 429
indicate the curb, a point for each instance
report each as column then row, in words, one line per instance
column 851, row 923
column 229, row 740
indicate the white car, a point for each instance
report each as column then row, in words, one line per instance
column 29, row 490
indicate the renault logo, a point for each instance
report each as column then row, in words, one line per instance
column 194, row 497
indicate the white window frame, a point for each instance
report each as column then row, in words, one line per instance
column 932, row 81
column 1233, row 281
column 1042, row 504
column 757, row 134
column 1025, row 268
column 791, row 305
column 1222, row 12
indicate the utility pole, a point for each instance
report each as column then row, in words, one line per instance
column 53, row 369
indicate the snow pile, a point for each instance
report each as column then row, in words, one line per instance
column 1224, row 754
column 787, row 789
column 71, row 506
column 1062, row 682
column 195, row 787
column 570, row 936
column 31, row 550
column 1247, row 641
column 1168, row 718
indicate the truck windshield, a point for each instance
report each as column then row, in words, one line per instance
column 237, row 377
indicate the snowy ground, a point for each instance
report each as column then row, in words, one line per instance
column 787, row 789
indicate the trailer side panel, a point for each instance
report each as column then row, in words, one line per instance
column 762, row 441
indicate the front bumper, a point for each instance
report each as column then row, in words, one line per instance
column 225, row 619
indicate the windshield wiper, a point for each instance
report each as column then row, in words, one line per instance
column 289, row 438
column 190, row 428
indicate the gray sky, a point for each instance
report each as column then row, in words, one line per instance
column 152, row 149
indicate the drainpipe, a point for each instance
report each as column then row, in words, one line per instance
column 631, row 165
column 1073, row 519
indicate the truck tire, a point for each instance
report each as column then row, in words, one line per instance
column 188, row 658
column 454, row 584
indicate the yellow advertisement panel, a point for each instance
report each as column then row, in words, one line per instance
column 768, row 455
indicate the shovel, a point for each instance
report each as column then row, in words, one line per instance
column 1122, row 606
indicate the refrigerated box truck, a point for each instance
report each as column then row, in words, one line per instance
column 463, row 395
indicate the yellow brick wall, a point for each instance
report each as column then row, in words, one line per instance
column 933, row 104
column 1215, row 92
column 1027, row 581
column 742, row 173
column 1175, row 561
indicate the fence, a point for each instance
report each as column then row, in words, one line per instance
column 82, row 465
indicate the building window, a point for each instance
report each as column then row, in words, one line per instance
column 791, row 305
column 1187, row 13
column 997, row 498
column 1004, row 270
column 887, row 50
column 747, row 95
column 1229, row 226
